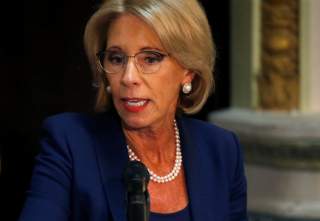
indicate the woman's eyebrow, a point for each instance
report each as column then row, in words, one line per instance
column 117, row 48
column 114, row 48
column 150, row 48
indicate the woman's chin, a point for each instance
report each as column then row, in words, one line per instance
column 135, row 122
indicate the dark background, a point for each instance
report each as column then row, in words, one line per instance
column 44, row 71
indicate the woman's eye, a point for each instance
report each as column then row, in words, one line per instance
column 152, row 58
column 116, row 59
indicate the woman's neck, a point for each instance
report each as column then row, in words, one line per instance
column 153, row 145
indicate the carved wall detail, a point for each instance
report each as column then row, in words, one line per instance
column 278, row 82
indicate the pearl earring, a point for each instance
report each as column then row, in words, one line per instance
column 108, row 89
column 186, row 88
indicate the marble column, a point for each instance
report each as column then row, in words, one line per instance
column 276, row 105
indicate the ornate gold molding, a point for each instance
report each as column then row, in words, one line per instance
column 278, row 82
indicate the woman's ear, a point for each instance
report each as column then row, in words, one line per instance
column 188, row 77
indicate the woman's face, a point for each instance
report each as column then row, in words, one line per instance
column 143, row 100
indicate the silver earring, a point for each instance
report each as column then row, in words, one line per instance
column 108, row 89
column 186, row 88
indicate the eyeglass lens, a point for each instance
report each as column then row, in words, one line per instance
column 116, row 61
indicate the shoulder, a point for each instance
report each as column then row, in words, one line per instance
column 213, row 140
column 67, row 119
column 73, row 121
column 75, row 134
column 76, row 128
column 206, row 130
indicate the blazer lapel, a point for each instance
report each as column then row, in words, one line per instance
column 199, row 185
column 112, row 159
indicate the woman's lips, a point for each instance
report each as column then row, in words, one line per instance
column 134, row 104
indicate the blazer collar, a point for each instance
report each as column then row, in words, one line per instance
column 113, row 159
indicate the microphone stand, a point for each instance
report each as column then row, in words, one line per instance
column 138, row 199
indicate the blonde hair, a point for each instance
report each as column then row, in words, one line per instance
column 184, row 32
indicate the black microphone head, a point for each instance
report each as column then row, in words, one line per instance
column 136, row 177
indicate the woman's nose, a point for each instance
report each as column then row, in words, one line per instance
column 131, row 73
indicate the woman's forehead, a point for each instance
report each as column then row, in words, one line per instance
column 129, row 31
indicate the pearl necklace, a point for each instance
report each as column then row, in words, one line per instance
column 177, row 164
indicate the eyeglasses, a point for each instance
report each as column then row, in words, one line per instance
column 115, row 62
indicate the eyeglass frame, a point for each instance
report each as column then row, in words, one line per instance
column 127, row 57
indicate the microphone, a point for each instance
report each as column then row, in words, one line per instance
column 136, row 179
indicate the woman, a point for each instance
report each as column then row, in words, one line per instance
column 153, row 59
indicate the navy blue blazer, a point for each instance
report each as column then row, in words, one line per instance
column 78, row 174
